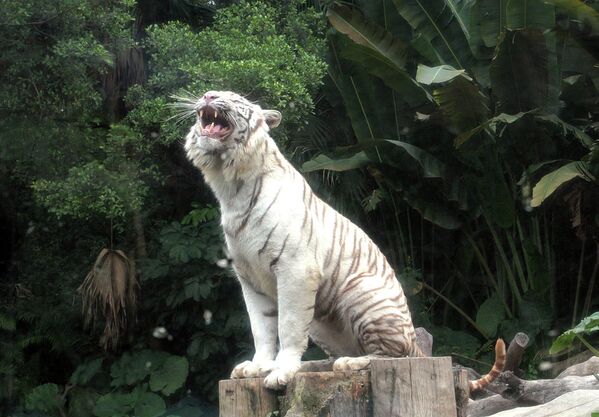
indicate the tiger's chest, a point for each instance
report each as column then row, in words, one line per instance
column 258, row 223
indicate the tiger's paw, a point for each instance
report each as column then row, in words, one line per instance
column 345, row 363
column 280, row 377
column 251, row 369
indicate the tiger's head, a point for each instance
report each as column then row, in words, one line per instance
column 226, row 121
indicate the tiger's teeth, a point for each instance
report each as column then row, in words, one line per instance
column 215, row 114
column 201, row 113
column 211, row 126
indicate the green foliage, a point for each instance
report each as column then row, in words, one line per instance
column 45, row 398
column 200, row 215
column 587, row 325
column 107, row 194
column 91, row 160
column 448, row 342
column 85, row 372
column 7, row 323
column 138, row 403
column 552, row 181
column 66, row 42
column 490, row 314
column 140, row 378
column 170, row 376
column 481, row 94
column 166, row 373
column 271, row 54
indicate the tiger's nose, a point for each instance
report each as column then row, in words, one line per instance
column 209, row 96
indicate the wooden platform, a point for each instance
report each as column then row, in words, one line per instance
column 404, row 387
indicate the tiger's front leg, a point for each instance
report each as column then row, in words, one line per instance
column 296, row 289
column 263, row 321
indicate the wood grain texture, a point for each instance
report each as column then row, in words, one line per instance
column 328, row 394
column 462, row 392
column 413, row 387
column 541, row 391
column 573, row 404
column 245, row 398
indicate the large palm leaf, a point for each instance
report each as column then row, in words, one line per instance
column 352, row 23
column 439, row 22
column 519, row 72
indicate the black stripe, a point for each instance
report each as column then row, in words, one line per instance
column 275, row 260
column 269, row 206
column 267, row 240
column 255, row 194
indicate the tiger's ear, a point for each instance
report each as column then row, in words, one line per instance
column 272, row 118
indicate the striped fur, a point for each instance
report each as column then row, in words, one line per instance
column 482, row 382
column 304, row 269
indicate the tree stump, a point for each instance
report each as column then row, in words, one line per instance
column 413, row 387
column 462, row 391
column 245, row 398
column 331, row 394
column 403, row 387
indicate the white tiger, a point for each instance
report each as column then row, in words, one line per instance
column 305, row 270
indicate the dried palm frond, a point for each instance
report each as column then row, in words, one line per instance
column 109, row 291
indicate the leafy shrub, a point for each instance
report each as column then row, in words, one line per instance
column 588, row 325
column 271, row 54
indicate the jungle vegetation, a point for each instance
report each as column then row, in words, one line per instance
column 462, row 135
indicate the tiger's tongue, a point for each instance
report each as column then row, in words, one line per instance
column 212, row 129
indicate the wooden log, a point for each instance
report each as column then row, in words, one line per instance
column 544, row 390
column 589, row 367
column 330, row 394
column 424, row 340
column 245, row 398
column 413, row 387
column 322, row 365
column 394, row 387
column 526, row 393
column 489, row 406
column 514, row 353
column 582, row 403
column 559, row 367
column 462, row 391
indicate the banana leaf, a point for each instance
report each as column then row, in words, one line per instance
column 352, row 23
column 387, row 151
column 433, row 211
column 491, row 17
column 322, row 161
column 368, row 102
column 566, row 128
column 519, row 71
column 437, row 75
column 410, row 92
column 461, row 102
column 440, row 24
column 490, row 124
column 384, row 14
column 552, row 181
column 529, row 14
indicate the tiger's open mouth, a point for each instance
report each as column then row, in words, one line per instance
column 213, row 124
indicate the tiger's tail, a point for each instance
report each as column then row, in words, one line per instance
column 485, row 380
